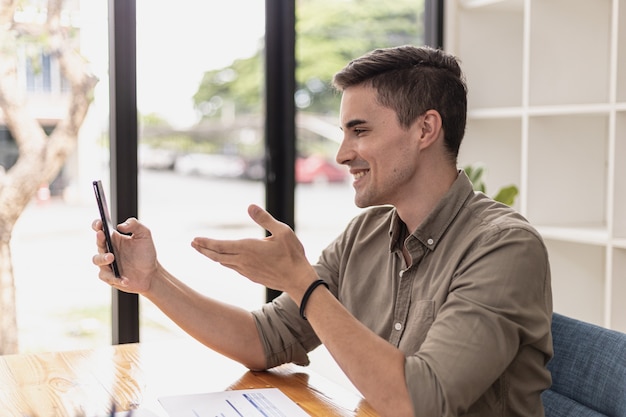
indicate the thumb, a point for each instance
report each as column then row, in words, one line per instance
column 263, row 218
column 131, row 226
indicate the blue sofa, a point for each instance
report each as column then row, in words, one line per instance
column 588, row 370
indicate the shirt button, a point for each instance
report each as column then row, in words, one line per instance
column 397, row 326
column 430, row 241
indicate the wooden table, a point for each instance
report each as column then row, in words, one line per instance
column 86, row 382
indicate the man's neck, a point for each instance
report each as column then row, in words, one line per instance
column 418, row 204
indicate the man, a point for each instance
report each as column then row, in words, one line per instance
column 435, row 301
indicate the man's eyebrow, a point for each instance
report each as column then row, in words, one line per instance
column 354, row 122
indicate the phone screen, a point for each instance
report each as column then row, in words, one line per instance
column 106, row 221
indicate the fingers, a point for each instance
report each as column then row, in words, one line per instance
column 129, row 225
column 226, row 253
column 103, row 261
column 100, row 238
column 134, row 227
column 96, row 225
column 100, row 241
column 223, row 251
column 215, row 250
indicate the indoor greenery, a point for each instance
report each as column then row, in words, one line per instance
column 476, row 173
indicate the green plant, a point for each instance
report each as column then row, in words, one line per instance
column 476, row 173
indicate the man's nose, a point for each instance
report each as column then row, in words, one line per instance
column 344, row 154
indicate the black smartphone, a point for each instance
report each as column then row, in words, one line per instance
column 107, row 227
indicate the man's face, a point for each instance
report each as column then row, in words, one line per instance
column 381, row 155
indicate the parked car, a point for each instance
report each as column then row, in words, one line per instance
column 156, row 158
column 254, row 169
column 213, row 165
column 316, row 169
column 312, row 169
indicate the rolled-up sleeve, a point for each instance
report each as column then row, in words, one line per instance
column 285, row 336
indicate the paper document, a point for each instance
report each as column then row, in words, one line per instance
column 260, row 402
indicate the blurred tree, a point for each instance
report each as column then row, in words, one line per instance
column 41, row 156
column 329, row 34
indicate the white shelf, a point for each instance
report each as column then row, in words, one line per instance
column 619, row 243
column 495, row 113
column 547, row 112
column 556, row 110
column 616, row 310
column 585, row 235
column 578, row 280
column 620, row 53
column 566, row 36
column 619, row 179
column 567, row 176
column 571, row 109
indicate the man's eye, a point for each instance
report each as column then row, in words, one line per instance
column 359, row 131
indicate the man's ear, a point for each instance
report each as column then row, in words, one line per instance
column 430, row 128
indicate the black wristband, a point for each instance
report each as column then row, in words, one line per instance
column 307, row 294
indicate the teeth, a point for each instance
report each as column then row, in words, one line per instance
column 359, row 175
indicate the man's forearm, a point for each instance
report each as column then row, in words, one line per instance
column 374, row 366
column 225, row 328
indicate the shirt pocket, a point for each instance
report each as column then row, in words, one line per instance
column 419, row 320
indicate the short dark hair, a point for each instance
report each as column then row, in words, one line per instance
column 411, row 80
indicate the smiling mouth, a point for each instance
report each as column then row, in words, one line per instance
column 359, row 174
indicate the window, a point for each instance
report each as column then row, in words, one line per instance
column 197, row 152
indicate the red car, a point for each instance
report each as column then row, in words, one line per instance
column 315, row 169
column 312, row 169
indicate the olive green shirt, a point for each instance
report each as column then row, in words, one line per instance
column 472, row 312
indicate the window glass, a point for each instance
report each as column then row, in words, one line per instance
column 200, row 101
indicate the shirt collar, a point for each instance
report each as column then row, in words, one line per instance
column 437, row 222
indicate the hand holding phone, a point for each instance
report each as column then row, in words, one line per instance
column 107, row 227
